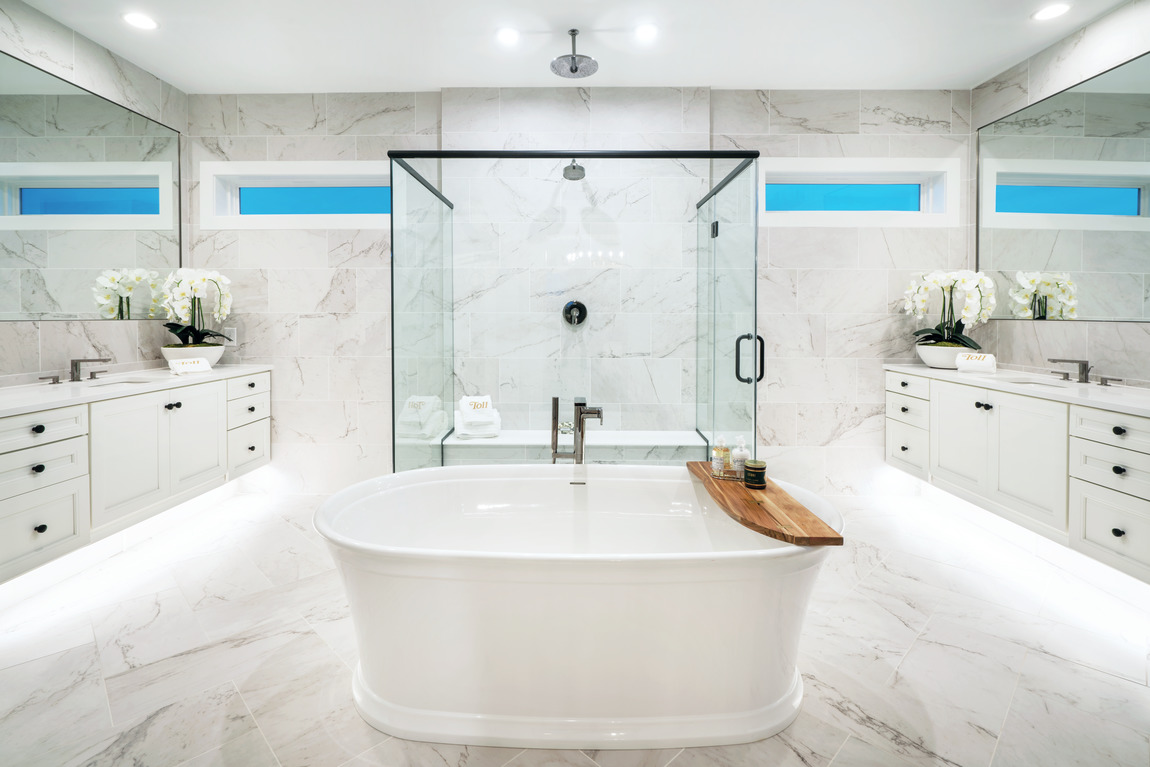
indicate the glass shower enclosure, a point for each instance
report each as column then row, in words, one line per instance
column 490, row 252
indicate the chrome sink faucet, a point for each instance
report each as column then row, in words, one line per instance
column 582, row 414
column 1084, row 368
column 77, row 363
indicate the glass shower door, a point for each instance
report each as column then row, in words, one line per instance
column 730, row 353
column 422, row 348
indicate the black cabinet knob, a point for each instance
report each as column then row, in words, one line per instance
column 252, row 409
column 179, row 404
column 169, row 406
column 904, row 384
column 38, row 468
column 252, row 448
column 41, row 528
column 1118, row 430
column 1119, row 470
column 905, row 409
column 904, row 448
column 38, row 428
column 988, row 406
column 252, row 384
column 978, row 404
column 1118, row 532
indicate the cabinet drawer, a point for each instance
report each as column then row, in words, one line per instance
column 249, row 447
column 911, row 411
column 247, row 409
column 21, row 431
column 256, row 383
column 1113, row 526
column 23, row 471
column 912, row 386
column 1117, row 468
column 907, row 447
column 58, row 511
column 1129, row 431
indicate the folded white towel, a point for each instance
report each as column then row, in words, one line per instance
column 476, row 411
column 976, row 362
column 481, row 431
column 417, row 410
column 435, row 425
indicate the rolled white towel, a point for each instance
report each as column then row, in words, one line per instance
column 476, row 411
column 976, row 362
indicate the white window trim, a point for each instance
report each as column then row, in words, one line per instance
column 1055, row 172
column 17, row 175
column 220, row 184
column 940, row 179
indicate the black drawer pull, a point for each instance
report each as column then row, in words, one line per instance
column 252, row 409
column 904, row 384
column 41, row 528
column 38, row 428
column 978, row 404
column 169, row 406
column 905, row 409
column 1119, row 470
column 1118, row 532
column 252, row 448
column 38, row 468
column 988, row 406
column 904, row 448
column 251, row 384
column 1118, row 430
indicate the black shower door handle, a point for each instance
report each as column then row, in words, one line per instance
column 739, row 358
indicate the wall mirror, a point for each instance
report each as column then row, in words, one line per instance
column 86, row 186
column 1063, row 191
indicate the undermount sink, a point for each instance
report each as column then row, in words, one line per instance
column 1055, row 384
column 96, row 383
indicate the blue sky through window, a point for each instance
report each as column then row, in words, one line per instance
column 288, row 200
column 863, row 197
column 1080, row 200
column 97, row 201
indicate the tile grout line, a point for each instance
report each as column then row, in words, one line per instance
column 1009, row 707
column 256, row 722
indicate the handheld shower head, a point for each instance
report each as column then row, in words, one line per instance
column 576, row 65
column 574, row 172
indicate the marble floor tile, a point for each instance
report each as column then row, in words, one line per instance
column 1084, row 689
column 301, row 697
column 863, row 634
column 628, row 758
column 43, row 636
column 1106, row 651
column 808, row 742
column 283, row 553
column 50, row 703
column 172, row 734
column 320, row 596
column 858, row 753
column 1040, row 732
column 248, row 750
column 219, row 577
column 395, row 752
column 547, row 758
column 145, row 629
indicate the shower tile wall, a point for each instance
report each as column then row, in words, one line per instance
column 830, row 299
column 620, row 241
column 30, row 349
column 1114, row 348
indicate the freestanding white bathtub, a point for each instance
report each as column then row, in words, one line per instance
column 568, row 607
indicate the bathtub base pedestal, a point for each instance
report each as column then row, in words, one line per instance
column 686, row 731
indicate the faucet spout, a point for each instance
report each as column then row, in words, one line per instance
column 582, row 415
column 1084, row 368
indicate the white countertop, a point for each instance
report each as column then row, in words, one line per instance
column 1122, row 399
column 15, row 400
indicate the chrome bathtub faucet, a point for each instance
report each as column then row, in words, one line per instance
column 582, row 414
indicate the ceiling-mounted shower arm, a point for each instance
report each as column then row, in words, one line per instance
column 574, row 57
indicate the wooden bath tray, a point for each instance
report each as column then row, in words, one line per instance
column 772, row 512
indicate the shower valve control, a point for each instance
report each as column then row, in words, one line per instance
column 574, row 313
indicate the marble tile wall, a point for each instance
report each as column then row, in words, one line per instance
column 1116, row 349
column 830, row 299
column 621, row 241
column 29, row 349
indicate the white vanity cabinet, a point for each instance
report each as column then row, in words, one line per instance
column 1004, row 450
column 908, row 423
column 1110, row 488
column 152, row 451
column 43, row 487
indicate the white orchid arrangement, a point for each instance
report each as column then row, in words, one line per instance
column 184, row 293
column 114, row 290
column 1042, row 295
column 978, row 303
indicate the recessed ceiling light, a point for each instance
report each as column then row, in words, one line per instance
column 646, row 33
column 140, row 21
column 1051, row 12
column 508, row 36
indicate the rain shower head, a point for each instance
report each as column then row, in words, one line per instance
column 574, row 172
column 575, row 65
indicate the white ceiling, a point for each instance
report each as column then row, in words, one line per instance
column 305, row 46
